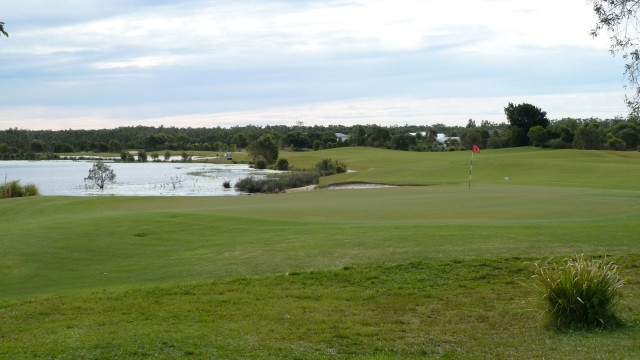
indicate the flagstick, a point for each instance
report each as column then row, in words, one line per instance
column 470, row 169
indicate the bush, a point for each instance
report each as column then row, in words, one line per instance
column 253, row 185
column 558, row 144
column 277, row 183
column 30, row 190
column 260, row 162
column 581, row 292
column 226, row 184
column 142, row 156
column 298, row 179
column 282, row 164
column 13, row 189
column 329, row 167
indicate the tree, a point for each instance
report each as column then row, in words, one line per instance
column 620, row 19
column 403, row 141
column 538, row 135
column 523, row 117
column 2, row 29
column 100, row 174
column 266, row 146
column 588, row 137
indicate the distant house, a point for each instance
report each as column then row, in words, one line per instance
column 444, row 140
column 422, row 133
column 342, row 137
column 228, row 156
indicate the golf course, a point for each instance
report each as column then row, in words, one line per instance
column 436, row 266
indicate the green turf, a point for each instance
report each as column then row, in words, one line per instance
column 523, row 166
column 203, row 276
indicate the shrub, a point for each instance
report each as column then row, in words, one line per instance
column 558, row 144
column 260, row 162
column 581, row 292
column 298, row 179
column 253, row 185
column 142, row 156
column 329, row 167
column 282, row 164
column 30, row 190
column 277, row 183
column 13, row 189
column 226, row 184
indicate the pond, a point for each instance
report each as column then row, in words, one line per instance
column 65, row 177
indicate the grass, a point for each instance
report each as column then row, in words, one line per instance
column 582, row 292
column 479, row 309
column 406, row 272
column 523, row 166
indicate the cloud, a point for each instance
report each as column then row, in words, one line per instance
column 385, row 111
column 144, row 62
column 136, row 60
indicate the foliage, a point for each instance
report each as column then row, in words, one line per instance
column 266, row 146
column 142, row 156
column 403, row 142
column 328, row 167
column 615, row 143
column 13, row 189
column 2, row 29
column 100, row 174
column 620, row 19
column 523, row 117
column 538, row 135
column 259, row 185
column 30, row 190
column 282, row 164
column 277, row 182
column 581, row 291
column 296, row 179
column 588, row 136
column 259, row 162
column 18, row 144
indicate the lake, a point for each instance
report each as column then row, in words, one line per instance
column 66, row 177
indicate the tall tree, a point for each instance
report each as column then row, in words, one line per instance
column 523, row 117
column 266, row 146
column 620, row 19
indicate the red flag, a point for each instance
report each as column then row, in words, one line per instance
column 475, row 149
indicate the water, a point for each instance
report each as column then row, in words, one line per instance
column 64, row 177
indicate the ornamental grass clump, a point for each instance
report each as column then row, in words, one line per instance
column 14, row 189
column 582, row 292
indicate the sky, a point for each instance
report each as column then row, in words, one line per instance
column 80, row 64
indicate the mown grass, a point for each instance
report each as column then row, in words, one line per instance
column 406, row 272
column 54, row 245
column 523, row 166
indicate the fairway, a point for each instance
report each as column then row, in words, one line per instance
column 555, row 204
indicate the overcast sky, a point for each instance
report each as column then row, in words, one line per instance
column 109, row 63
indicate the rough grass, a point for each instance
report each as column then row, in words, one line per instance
column 475, row 309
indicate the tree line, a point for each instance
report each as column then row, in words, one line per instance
column 527, row 125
